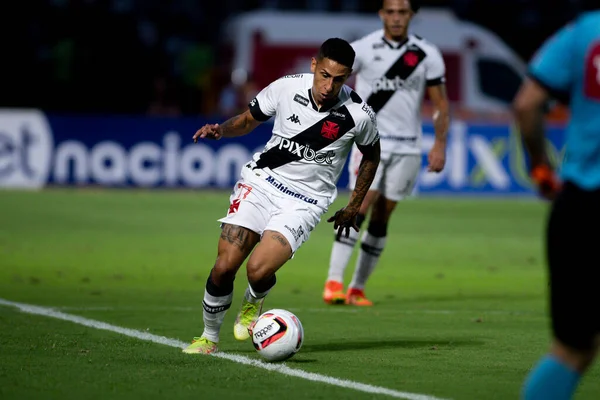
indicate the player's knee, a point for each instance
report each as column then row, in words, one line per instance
column 260, row 276
column 256, row 271
column 225, row 268
column 377, row 228
column 382, row 210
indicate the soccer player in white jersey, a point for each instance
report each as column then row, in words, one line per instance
column 284, row 191
column 393, row 71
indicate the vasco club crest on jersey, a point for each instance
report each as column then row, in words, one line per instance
column 330, row 130
column 411, row 59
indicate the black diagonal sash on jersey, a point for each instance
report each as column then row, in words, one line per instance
column 310, row 137
column 400, row 69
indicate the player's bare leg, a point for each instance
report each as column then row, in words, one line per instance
column 372, row 244
column 235, row 244
column 341, row 252
column 273, row 251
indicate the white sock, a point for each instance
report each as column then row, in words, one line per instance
column 340, row 256
column 370, row 250
column 213, row 314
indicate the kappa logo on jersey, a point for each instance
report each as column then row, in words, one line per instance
column 330, row 130
column 294, row 118
column 301, row 99
column 253, row 102
column 304, row 151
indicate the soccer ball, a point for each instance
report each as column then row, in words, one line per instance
column 277, row 335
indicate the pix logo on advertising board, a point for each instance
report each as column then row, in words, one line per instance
column 484, row 159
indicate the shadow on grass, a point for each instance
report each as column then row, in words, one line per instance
column 404, row 343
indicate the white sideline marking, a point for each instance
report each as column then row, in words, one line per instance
column 281, row 368
column 332, row 309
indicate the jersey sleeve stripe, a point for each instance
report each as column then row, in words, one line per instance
column 436, row 81
column 256, row 112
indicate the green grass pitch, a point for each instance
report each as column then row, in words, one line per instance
column 460, row 299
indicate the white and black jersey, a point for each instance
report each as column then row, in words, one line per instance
column 391, row 77
column 309, row 145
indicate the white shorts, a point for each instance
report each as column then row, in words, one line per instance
column 396, row 175
column 257, row 204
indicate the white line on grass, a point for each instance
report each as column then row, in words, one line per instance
column 281, row 368
column 333, row 309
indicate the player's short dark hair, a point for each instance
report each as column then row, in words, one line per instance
column 338, row 50
column 415, row 5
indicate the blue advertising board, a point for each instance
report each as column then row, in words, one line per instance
column 38, row 149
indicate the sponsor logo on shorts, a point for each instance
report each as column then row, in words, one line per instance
column 297, row 233
column 284, row 189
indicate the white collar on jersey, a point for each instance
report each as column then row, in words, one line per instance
column 325, row 107
column 394, row 45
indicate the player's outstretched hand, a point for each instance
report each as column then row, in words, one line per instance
column 208, row 131
column 343, row 220
column 436, row 159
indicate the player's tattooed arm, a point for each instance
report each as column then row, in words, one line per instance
column 345, row 219
column 238, row 236
column 366, row 174
column 240, row 125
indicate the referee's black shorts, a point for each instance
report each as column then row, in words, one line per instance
column 573, row 252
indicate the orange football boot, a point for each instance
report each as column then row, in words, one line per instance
column 334, row 293
column 356, row 297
